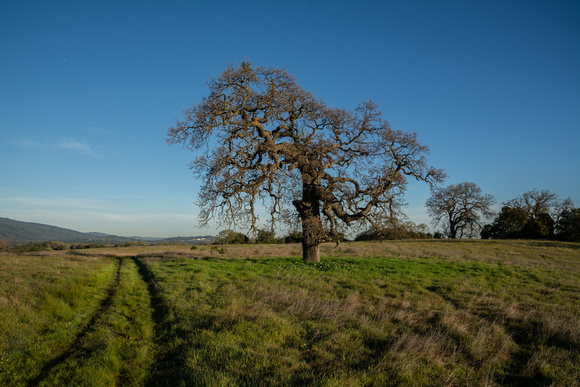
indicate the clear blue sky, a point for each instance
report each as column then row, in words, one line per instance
column 89, row 88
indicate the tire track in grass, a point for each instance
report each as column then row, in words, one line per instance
column 169, row 366
column 76, row 349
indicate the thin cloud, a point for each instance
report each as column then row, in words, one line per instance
column 77, row 147
column 25, row 142
column 72, row 145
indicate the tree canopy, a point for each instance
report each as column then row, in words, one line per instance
column 263, row 141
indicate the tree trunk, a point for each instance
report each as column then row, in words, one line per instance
column 312, row 231
column 452, row 230
column 310, row 253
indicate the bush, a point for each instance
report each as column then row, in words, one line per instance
column 39, row 246
column 393, row 232
column 3, row 244
column 221, row 250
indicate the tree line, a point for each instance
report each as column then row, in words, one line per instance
column 463, row 209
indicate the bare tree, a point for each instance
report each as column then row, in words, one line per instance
column 264, row 141
column 534, row 202
column 459, row 208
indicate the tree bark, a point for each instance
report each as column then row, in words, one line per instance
column 310, row 252
column 312, row 230
column 311, row 233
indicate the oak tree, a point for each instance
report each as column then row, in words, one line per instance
column 459, row 208
column 508, row 224
column 534, row 202
column 263, row 142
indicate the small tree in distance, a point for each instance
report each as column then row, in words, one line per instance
column 459, row 209
column 263, row 141
column 265, row 236
column 231, row 237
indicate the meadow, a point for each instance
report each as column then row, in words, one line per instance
column 419, row 313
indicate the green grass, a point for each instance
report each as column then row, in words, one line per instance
column 81, row 320
column 399, row 313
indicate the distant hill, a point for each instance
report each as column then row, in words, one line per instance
column 27, row 232
column 16, row 231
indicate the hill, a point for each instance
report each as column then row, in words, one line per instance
column 23, row 232
column 15, row 231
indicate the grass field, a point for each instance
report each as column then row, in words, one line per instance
column 425, row 313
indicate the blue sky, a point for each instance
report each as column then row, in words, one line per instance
column 89, row 88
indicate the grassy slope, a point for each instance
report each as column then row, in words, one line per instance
column 413, row 312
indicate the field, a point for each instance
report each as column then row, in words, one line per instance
column 425, row 313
